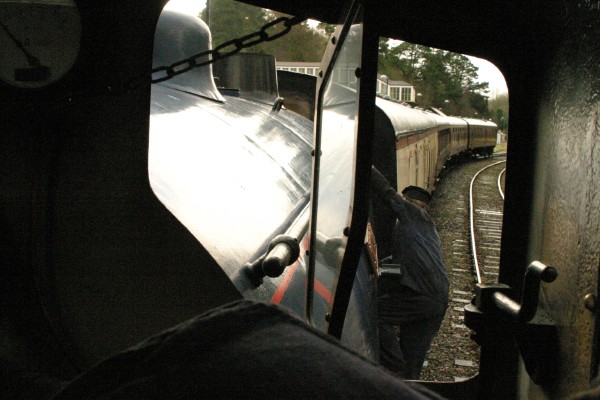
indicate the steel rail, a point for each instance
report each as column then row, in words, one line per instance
column 472, row 220
column 500, row 183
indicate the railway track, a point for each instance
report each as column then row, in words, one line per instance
column 453, row 355
column 485, row 217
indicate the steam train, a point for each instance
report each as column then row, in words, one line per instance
column 108, row 238
column 274, row 147
column 428, row 140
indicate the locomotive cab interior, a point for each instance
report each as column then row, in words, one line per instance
column 92, row 262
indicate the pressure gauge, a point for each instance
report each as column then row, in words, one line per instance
column 39, row 41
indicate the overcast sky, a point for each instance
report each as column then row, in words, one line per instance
column 488, row 72
column 189, row 6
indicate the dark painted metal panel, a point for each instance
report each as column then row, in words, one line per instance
column 565, row 225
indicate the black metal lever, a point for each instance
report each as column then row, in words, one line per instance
column 283, row 251
column 536, row 273
column 503, row 326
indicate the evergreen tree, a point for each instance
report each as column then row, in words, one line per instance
column 231, row 19
column 445, row 79
column 326, row 29
column 499, row 109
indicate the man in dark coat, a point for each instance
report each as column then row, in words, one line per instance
column 417, row 302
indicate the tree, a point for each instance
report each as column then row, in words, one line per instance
column 327, row 29
column 499, row 109
column 445, row 80
column 302, row 43
column 384, row 58
column 230, row 20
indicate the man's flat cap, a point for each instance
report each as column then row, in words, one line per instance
column 417, row 193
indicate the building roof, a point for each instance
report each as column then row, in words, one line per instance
column 393, row 82
column 298, row 63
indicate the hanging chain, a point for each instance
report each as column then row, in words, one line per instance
column 269, row 32
column 278, row 28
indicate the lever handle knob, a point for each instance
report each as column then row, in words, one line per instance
column 535, row 274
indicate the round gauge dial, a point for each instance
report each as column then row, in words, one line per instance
column 39, row 41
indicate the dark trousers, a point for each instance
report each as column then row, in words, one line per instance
column 419, row 318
